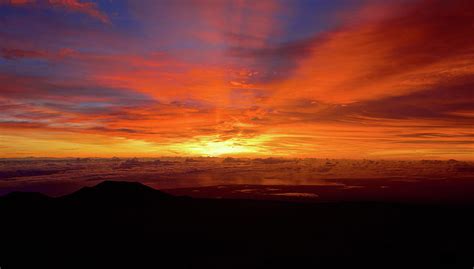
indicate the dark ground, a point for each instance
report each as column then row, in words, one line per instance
column 129, row 225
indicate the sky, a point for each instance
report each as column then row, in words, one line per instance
column 285, row 78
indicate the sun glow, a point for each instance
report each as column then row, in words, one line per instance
column 216, row 146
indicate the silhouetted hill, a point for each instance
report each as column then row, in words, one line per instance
column 17, row 198
column 123, row 224
column 24, row 197
column 115, row 193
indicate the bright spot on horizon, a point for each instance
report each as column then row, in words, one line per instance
column 214, row 146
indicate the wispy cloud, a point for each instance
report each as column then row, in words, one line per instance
column 88, row 8
column 239, row 77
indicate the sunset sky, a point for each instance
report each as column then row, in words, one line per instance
column 322, row 78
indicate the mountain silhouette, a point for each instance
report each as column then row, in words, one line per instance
column 130, row 225
column 18, row 198
column 117, row 193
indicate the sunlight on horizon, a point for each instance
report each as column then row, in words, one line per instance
column 214, row 146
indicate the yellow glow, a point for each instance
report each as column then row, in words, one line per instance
column 67, row 145
column 214, row 146
column 87, row 145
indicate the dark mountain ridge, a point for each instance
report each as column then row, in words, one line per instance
column 127, row 224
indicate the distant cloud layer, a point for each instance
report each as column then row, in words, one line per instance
column 370, row 79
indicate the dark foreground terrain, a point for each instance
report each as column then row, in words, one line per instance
column 129, row 225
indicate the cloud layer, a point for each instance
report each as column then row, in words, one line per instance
column 304, row 79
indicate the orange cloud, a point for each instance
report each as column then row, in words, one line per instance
column 409, row 49
column 391, row 86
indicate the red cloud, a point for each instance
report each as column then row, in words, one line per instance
column 365, row 89
column 11, row 54
column 411, row 48
column 88, row 8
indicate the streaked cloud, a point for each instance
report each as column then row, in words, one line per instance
column 88, row 8
column 371, row 79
